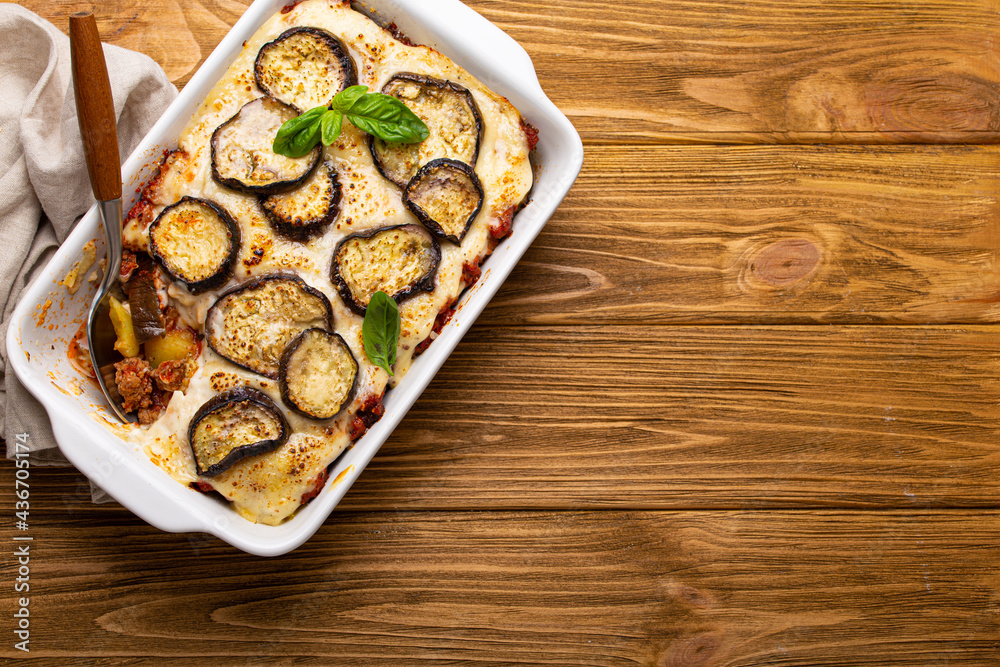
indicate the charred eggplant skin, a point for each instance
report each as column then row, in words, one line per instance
column 225, row 272
column 238, row 395
column 273, row 187
column 253, row 284
column 422, row 215
column 144, row 303
column 426, row 284
column 344, row 59
column 286, row 362
column 374, row 142
column 298, row 229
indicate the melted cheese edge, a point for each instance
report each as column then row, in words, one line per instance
column 268, row 489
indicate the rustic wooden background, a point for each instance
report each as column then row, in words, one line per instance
column 738, row 405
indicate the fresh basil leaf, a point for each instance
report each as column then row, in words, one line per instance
column 305, row 140
column 380, row 115
column 346, row 98
column 380, row 331
column 387, row 118
column 330, row 125
column 297, row 136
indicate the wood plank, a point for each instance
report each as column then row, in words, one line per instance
column 692, row 417
column 605, row 588
column 767, row 234
column 701, row 417
column 794, row 71
column 730, row 71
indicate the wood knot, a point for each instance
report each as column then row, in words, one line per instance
column 785, row 263
column 694, row 597
column 692, row 651
column 951, row 102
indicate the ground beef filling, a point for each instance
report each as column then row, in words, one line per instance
column 134, row 379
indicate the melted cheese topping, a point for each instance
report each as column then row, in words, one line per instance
column 269, row 488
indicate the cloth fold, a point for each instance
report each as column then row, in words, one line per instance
column 44, row 186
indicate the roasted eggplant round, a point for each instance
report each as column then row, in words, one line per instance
column 197, row 242
column 446, row 196
column 318, row 374
column 242, row 155
column 251, row 324
column 451, row 115
column 399, row 261
column 232, row 426
column 304, row 68
column 309, row 208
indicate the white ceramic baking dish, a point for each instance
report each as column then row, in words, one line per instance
column 87, row 434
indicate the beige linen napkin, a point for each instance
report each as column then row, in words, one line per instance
column 44, row 188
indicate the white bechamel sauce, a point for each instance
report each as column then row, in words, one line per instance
column 268, row 488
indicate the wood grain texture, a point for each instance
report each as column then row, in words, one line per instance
column 606, row 588
column 650, row 452
column 178, row 34
column 767, row 234
column 693, row 417
column 794, row 71
column 731, row 71
column 701, row 417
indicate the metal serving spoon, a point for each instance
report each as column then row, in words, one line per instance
column 95, row 110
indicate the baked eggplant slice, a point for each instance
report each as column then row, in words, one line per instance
column 251, row 324
column 144, row 300
column 309, row 208
column 451, row 115
column 399, row 261
column 197, row 243
column 446, row 196
column 232, row 426
column 304, row 68
column 242, row 158
column 318, row 374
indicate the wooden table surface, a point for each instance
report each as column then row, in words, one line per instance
column 738, row 405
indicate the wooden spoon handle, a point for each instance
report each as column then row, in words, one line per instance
column 95, row 108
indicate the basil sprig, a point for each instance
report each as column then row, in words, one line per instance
column 380, row 331
column 380, row 115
